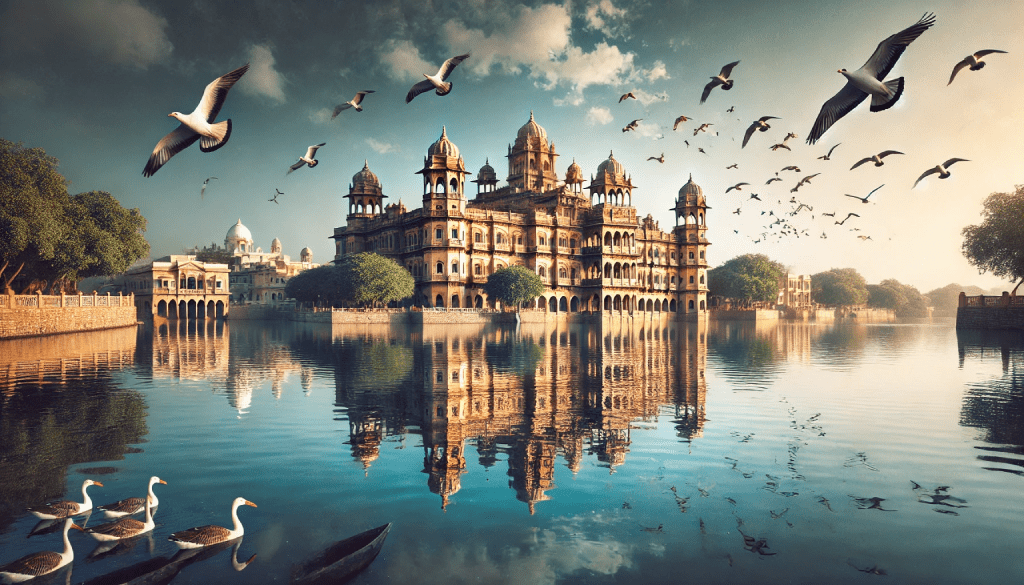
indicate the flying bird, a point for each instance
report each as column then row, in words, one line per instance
column 309, row 159
column 807, row 180
column 203, row 190
column 877, row 159
column 274, row 198
column 737, row 186
column 721, row 79
column 829, row 155
column 679, row 121
column 942, row 170
column 437, row 82
column 973, row 61
column 632, row 125
column 733, row 166
column 627, row 96
column 775, row 147
column 864, row 199
column 701, row 150
column 660, row 159
column 791, row 168
column 352, row 103
column 868, row 80
column 754, row 196
column 731, row 108
column 864, row 237
column 788, row 136
column 702, row 128
column 199, row 125
column 848, row 216
column 771, row 180
column 759, row 124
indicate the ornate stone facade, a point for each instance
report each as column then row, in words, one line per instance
column 592, row 250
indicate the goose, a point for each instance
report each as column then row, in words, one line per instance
column 877, row 158
column 39, row 563
column 352, row 103
column 721, row 79
column 868, row 80
column 973, row 61
column 308, row 159
column 66, row 508
column 208, row 535
column 436, row 82
column 942, row 170
column 828, row 156
column 129, row 506
column 679, row 121
column 124, row 527
column 199, row 125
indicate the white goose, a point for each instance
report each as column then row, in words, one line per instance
column 124, row 527
column 129, row 506
column 199, row 125
column 436, row 82
column 942, row 170
column 208, row 535
column 66, row 508
column 40, row 563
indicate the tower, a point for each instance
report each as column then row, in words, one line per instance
column 365, row 195
column 444, row 177
column 691, row 235
column 486, row 180
column 611, row 186
column 531, row 160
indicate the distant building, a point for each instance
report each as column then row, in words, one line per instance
column 795, row 291
column 592, row 250
column 179, row 287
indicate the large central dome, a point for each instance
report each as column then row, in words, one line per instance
column 532, row 128
column 443, row 146
column 611, row 166
column 239, row 231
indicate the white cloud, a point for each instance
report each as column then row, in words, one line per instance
column 262, row 78
column 647, row 99
column 405, row 61
column 657, row 72
column 321, row 116
column 381, row 147
column 118, row 31
column 599, row 115
column 605, row 17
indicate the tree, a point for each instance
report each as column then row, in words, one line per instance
column 839, row 287
column 903, row 299
column 321, row 286
column 375, row 280
column 946, row 299
column 748, row 279
column 514, row 286
column 996, row 245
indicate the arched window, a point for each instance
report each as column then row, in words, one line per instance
column 440, row 267
column 690, row 305
column 541, row 271
column 691, row 279
column 478, row 237
column 455, row 268
column 691, row 255
column 702, row 305
column 562, row 273
column 476, row 269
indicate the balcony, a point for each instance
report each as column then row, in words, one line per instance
column 501, row 247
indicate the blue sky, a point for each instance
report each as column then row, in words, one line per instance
column 92, row 83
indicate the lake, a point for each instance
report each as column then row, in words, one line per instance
column 722, row 452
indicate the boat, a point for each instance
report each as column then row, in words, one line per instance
column 342, row 560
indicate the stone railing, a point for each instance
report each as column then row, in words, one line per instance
column 1005, row 300
column 41, row 301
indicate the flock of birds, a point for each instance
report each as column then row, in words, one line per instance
column 123, row 528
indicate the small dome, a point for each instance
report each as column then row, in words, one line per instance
column 532, row 128
column 365, row 177
column 690, row 189
column 487, row 173
column 239, row 231
column 611, row 166
column 306, row 250
column 574, row 174
column 443, row 146
column 276, row 243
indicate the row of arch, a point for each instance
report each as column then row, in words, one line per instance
column 561, row 304
column 619, row 197
column 190, row 310
column 441, row 187
column 371, row 207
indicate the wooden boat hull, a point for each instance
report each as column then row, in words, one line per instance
column 342, row 560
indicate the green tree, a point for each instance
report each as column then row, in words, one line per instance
column 839, row 287
column 904, row 299
column 996, row 245
column 375, row 280
column 747, row 279
column 514, row 286
column 216, row 256
column 322, row 286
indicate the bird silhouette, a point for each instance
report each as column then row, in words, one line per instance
column 660, row 159
column 973, row 61
column 848, row 216
column 274, row 198
column 702, row 128
column 202, row 191
column 761, row 124
column 864, row 199
column 627, row 96
column 877, row 158
column 721, row 79
column 942, row 170
column 632, row 125
column 437, row 82
column 679, row 121
column 828, row 156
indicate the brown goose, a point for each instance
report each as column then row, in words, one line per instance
column 124, row 527
column 208, row 535
column 40, row 563
column 65, row 508
column 129, row 506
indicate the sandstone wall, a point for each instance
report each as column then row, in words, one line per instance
column 1006, row 318
column 35, row 315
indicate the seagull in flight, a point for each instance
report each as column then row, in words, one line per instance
column 632, row 125
column 737, row 186
column 701, row 150
column 203, row 190
column 759, row 124
column 437, row 82
column 829, row 155
column 733, row 166
column 942, row 170
column 864, row 199
column 660, row 159
column 973, row 61
column 702, row 128
column 868, row 80
column 848, row 216
column 877, row 159
column 626, row 96
column 352, row 103
column 274, row 198
column 791, row 168
column 679, row 121
column 199, row 125
column 775, row 147
column 309, row 159
column 721, row 79
column 771, row 180
column 731, row 108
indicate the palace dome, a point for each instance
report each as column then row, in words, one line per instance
column 486, row 173
column 443, row 146
column 611, row 166
column 532, row 128
column 365, row 177
column 690, row 189
column 276, row 244
column 574, row 174
column 239, row 231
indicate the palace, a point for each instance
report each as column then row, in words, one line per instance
column 590, row 249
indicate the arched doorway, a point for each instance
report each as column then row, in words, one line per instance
column 439, row 301
column 161, row 308
column 455, row 301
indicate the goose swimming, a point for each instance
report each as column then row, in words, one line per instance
column 199, row 125
column 66, row 508
column 436, row 82
column 124, row 527
column 39, row 563
column 129, row 506
column 208, row 535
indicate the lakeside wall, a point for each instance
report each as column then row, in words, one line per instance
column 993, row 313
column 816, row 315
column 38, row 314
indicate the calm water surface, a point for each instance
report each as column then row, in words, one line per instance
column 654, row 453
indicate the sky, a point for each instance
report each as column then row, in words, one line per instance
column 92, row 83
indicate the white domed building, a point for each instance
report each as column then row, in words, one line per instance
column 258, row 276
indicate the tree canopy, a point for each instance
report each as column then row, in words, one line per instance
column 747, row 279
column 904, row 299
column 48, row 235
column 839, row 287
column 514, row 286
column 321, row 286
column 996, row 245
column 365, row 279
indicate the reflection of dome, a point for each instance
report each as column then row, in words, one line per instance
column 365, row 177
column 443, row 146
column 486, row 173
column 611, row 166
column 690, row 189
column 532, row 128
column 239, row 231
column 574, row 174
